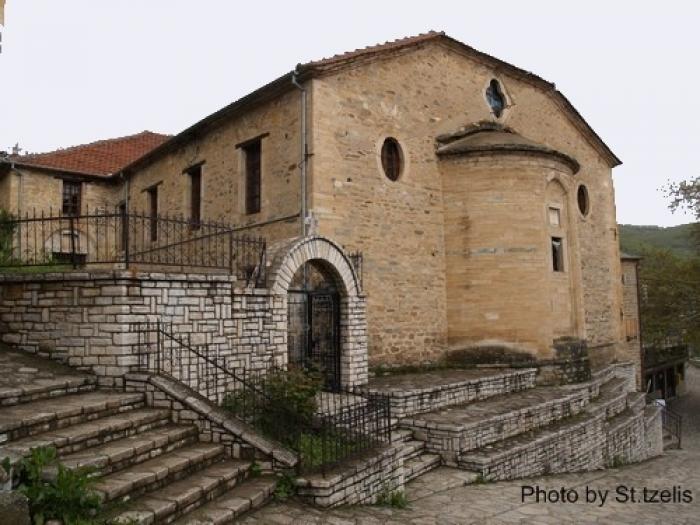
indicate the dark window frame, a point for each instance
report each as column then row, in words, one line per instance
column 392, row 159
column 123, row 225
column 71, row 197
column 152, row 193
column 252, row 152
column 195, row 175
column 557, row 247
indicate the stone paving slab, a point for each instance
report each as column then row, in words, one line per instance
column 24, row 374
column 466, row 415
column 400, row 383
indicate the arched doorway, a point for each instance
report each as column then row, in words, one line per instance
column 313, row 322
column 326, row 321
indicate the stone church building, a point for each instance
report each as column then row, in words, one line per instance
column 415, row 202
column 482, row 201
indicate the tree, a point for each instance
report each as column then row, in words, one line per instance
column 670, row 298
column 685, row 195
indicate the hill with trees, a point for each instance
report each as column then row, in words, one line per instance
column 679, row 240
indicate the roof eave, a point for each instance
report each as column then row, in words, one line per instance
column 269, row 91
column 93, row 177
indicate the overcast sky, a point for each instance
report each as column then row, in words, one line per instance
column 73, row 71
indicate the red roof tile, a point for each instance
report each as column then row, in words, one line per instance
column 101, row 158
column 386, row 46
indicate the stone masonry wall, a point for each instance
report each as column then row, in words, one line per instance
column 42, row 192
column 359, row 482
column 223, row 170
column 402, row 229
column 631, row 349
column 87, row 318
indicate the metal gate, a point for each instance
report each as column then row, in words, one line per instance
column 313, row 338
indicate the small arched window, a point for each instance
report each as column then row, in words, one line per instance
column 392, row 158
column 495, row 98
column 584, row 204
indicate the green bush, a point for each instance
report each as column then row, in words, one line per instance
column 281, row 405
column 395, row 498
column 68, row 497
column 286, row 486
column 7, row 230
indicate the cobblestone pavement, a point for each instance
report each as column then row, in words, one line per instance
column 441, row 498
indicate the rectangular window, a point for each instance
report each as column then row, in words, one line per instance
column 557, row 254
column 252, row 176
column 123, row 233
column 554, row 217
column 195, row 175
column 72, row 197
column 153, row 211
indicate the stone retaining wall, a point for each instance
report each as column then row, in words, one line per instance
column 358, row 482
column 88, row 319
column 625, row 439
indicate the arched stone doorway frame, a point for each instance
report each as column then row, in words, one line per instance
column 287, row 258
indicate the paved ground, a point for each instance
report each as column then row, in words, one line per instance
column 22, row 371
column 441, row 498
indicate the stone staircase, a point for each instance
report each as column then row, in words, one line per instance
column 150, row 470
column 509, row 433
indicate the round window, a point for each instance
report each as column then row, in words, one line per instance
column 392, row 158
column 584, row 203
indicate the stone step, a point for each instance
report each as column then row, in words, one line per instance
column 83, row 435
column 427, row 391
column 123, row 453
column 227, row 508
column 455, row 430
column 154, row 473
column 413, row 448
column 636, row 401
column 32, row 418
column 624, row 438
column 177, row 499
column 611, row 400
column 419, row 465
column 401, row 435
column 571, row 445
column 46, row 389
column 28, row 377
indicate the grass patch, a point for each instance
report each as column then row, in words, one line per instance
column 392, row 498
column 33, row 270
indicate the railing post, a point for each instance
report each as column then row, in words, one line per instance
column 125, row 238
column 72, row 242
column 230, row 252
column 158, row 343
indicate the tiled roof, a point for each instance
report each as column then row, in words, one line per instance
column 310, row 69
column 386, row 46
column 101, row 158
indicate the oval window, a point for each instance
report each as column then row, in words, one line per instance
column 583, row 200
column 392, row 158
column 495, row 98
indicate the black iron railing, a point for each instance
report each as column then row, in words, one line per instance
column 671, row 421
column 324, row 429
column 132, row 239
column 673, row 424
